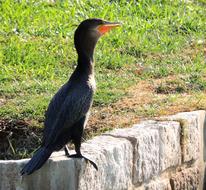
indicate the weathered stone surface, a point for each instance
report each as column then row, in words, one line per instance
column 202, row 157
column 190, row 135
column 146, row 151
column 113, row 156
column 186, row 179
column 114, row 159
column 49, row 177
column 160, row 184
column 131, row 158
column 170, row 150
column 169, row 142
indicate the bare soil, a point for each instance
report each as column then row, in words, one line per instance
column 18, row 139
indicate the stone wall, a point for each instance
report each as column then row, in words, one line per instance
column 166, row 154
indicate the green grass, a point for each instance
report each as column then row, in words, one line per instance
column 37, row 53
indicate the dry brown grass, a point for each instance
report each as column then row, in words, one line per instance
column 143, row 102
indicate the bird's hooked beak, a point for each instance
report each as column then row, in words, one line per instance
column 107, row 26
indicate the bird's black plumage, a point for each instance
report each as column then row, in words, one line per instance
column 68, row 110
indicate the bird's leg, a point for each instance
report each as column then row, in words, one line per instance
column 66, row 150
column 76, row 138
column 79, row 155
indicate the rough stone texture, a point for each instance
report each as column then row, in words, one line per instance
column 202, row 157
column 146, row 151
column 187, row 179
column 114, row 158
column 200, row 115
column 162, row 184
column 49, row 177
column 158, row 184
column 170, row 150
column 190, row 132
column 141, row 158
column 169, row 142
column 60, row 172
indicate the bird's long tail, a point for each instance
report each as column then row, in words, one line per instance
column 37, row 161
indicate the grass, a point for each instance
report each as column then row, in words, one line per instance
column 158, row 39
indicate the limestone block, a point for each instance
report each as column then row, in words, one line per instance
column 58, row 172
column 113, row 157
column 188, row 179
column 146, row 151
column 160, row 184
column 139, row 188
column 129, row 158
column 202, row 158
column 190, row 135
column 170, row 150
column 169, row 142
column 201, row 115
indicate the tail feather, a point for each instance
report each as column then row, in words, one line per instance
column 37, row 161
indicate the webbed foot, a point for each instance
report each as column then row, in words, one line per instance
column 87, row 159
column 66, row 150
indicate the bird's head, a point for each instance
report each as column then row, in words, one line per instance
column 88, row 33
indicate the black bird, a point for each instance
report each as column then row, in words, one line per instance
column 68, row 110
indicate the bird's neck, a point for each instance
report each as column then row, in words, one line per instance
column 86, row 63
column 85, row 51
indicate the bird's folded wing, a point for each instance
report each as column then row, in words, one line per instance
column 73, row 109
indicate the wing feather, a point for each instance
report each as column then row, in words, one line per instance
column 72, row 107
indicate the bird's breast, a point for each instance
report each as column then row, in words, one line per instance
column 91, row 82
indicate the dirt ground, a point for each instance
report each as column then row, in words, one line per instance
column 145, row 100
column 137, row 105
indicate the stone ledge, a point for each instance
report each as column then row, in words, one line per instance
column 146, row 152
column 190, row 132
column 156, row 147
column 61, row 172
column 114, row 159
column 48, row 177
column 131, row 158
column 169, row 144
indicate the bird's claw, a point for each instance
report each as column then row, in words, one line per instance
column 66, row 150
column 87, row 159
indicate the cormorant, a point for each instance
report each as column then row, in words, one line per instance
column 68, row 110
